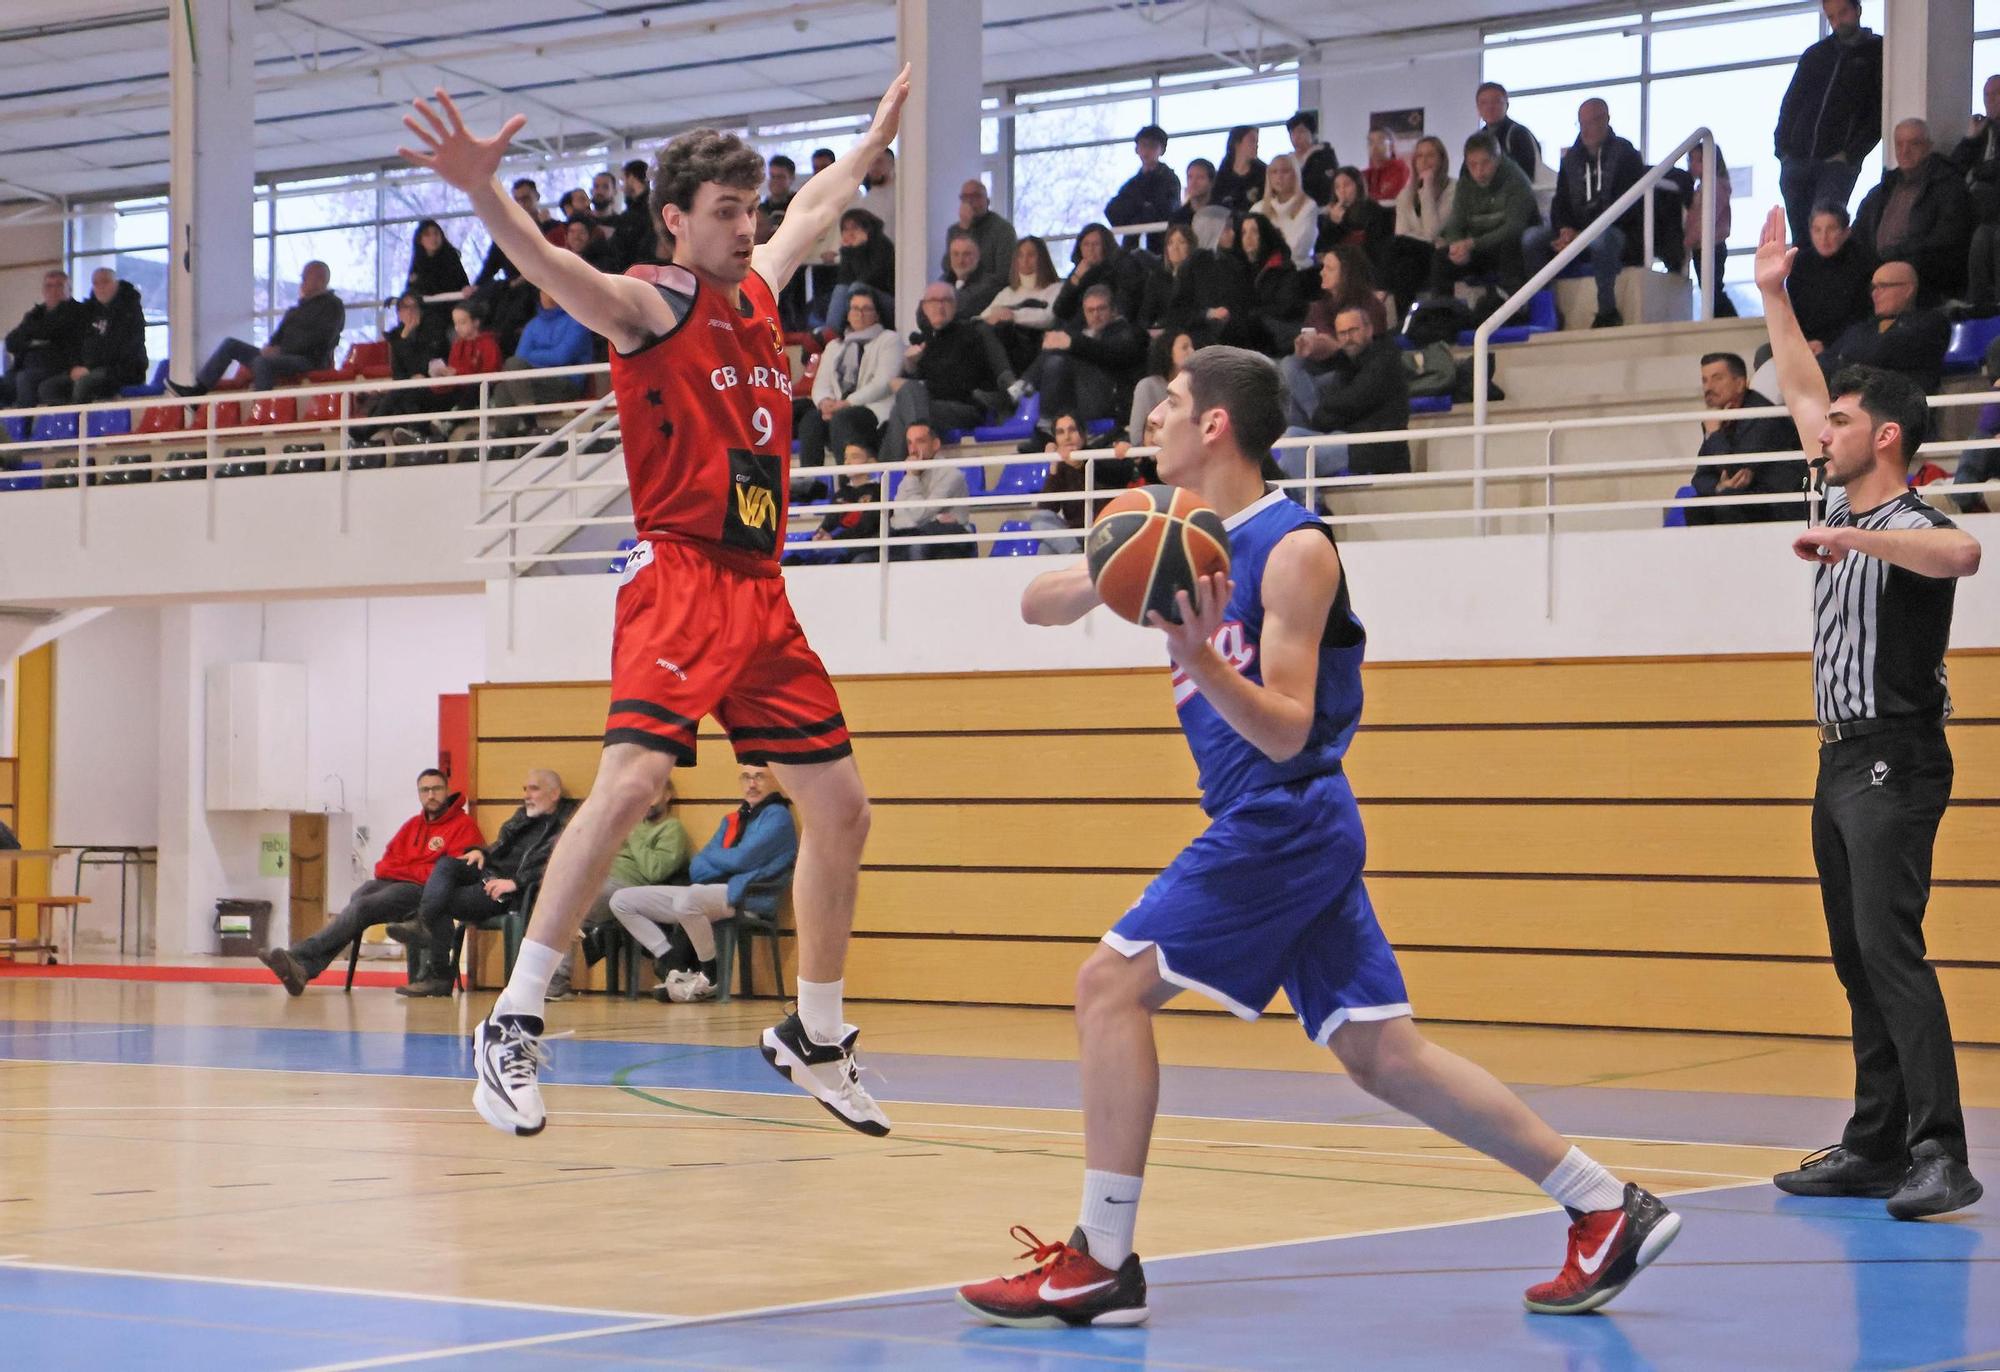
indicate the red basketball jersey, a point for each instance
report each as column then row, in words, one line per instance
column 706, row 410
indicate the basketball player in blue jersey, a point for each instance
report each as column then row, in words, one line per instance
column 1267, row 680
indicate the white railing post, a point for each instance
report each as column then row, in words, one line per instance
column 1710, row 188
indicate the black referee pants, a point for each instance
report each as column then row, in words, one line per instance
column 1875, row 818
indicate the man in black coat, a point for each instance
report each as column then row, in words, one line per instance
column 304, row 340
column 1977, row 157
column 1089, row 372
column 1831, row 117
column 1725, row 385
column 1920, row 213
column 111, row 346
column 1829, row 281
column 44, row 344
column 1151, row 194
column 486, row 881
column 1516, row 142
column 1595, row 171
column 1898, row 337
column 955, row 374
column 1366, row 390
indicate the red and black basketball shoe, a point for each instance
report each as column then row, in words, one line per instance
column 1607, row 1248
column 1066, row 1287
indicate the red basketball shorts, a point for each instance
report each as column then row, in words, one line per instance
column 697, row 638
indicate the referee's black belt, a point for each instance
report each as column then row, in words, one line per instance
column 1862, row 728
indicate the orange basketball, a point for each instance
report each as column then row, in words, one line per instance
column 1148, row 544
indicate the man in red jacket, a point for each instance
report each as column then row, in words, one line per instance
column 443, row 829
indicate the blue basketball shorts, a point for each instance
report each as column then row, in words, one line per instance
column 1270, row 895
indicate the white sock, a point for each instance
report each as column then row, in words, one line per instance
column 820, row 1011
column 1110, row 1214
column 529, row 986
column 1581, row 1183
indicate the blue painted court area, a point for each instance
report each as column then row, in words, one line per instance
column 1757, row 1280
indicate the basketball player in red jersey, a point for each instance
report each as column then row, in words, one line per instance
column 704, row 400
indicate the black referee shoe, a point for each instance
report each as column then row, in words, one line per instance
column 1937, row 1185
column 1839, row 1171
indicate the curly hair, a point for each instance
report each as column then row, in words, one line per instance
column 703, row 155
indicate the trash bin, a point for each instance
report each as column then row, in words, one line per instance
column 244, row 926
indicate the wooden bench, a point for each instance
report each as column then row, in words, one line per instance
column 14, row 945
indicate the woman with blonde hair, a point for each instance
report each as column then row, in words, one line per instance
column 1291, row 211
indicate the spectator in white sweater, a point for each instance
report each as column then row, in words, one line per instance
column 851, row 392
column 1291, row 211
column 1422, row 207
column 1025, row 308
column 913, row 513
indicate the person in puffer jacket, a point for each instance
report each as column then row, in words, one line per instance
column 440, row 829
column 744, row 869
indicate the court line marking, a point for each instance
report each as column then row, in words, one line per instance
column 836, row 1303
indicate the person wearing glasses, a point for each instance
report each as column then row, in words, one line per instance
column 1898, row 336
column 1365, row 387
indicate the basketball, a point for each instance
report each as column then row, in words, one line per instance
column 1149, row 544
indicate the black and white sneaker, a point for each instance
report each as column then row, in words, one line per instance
column 508, row 1055
column 827, row 1072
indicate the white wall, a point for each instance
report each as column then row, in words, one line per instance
column 1357, row 79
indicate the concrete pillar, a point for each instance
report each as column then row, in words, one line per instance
column 938, row 148
column 1926, row 70
column 212, row 176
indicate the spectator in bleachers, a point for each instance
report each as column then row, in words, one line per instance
column 606, row 201
column 487, row 880
column 955, row 372
column 1725, row 385
column 435, row 266
column 742, row 869
column 851, row 392
column 1199, row 194
column 1099, row 261
column 111, row 344
column 823, row 270
column 415, row 341
column 1067, row 474
column 1024, row 309
column 1898, row 336
column 440, row 829
column 1596, row 169
column 779, row 175
column 475, row 351
column 1351, row 217
column 1978, row 157
column 575, row 204
column 1277, row 286
column 1491, row 209
column 551, row 339
column 880, row 188
column 655, row 853
column 1387, row 173
column 1291, row 211
column 304, row 340
column 44, row 345
column 990, row 230
column 1919, row 213
column 1239, row 181
column 822, row 158
column 1089, row 371
column 581, row 237
column 632, row 230
column 1422, row 207
column 1164, row 356
column 1363, row 387
column 496, row 267
column 1151, row 194
column 929, row 482
column 1346, row 281
column 1829, row 283
column 1316, row 161
column 1979, row 464
column 1197, row 287
column 1691, row 222
column 1510, row 138
column 867, row 258
column 1831, row 117
column 972, row 286
column 853, row 525
column 1145, row 470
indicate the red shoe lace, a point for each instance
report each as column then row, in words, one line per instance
column 1043, row 1254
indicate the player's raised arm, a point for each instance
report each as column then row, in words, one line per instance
column 620, row 309
column 823, row 198
column 1799, row 376
column 1061, row 597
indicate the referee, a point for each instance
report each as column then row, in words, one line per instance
column 1882, row 596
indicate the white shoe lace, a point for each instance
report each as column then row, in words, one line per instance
column 852, row 1092
column 523, row 1055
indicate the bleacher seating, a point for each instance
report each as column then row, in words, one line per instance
column 1016, row 547
column 1970, row 338
column 157, row 386
column 1016, row 426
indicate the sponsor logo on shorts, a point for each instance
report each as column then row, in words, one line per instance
column 1878, row 774
column 673, row 667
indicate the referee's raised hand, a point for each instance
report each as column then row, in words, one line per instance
column 1774, row 258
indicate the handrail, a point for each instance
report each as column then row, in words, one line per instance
column 1482, row 337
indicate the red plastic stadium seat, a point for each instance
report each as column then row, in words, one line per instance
column 162, row 419
column 274, row 409
column 367, row 359
column 323, row 408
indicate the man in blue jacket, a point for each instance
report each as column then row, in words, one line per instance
column 744, row 869
column 550, row 339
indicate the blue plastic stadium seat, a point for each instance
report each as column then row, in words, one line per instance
column 157, row 386
column 1015, row 547
column 1970, row 338
column 895, row 483
column 1542, row 318
column 1022, row 478
column 1430, row 404
column 54, row 427
column 800, row 551
column 1014, row 428
column 16, row 427
column 108, row 423
column 975, row 480
column 624, row 555
column 28, row 477
column 1097, row 427
column 1676, row 516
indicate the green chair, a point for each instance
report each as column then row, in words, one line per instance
column 747, row 927
column 511, row 925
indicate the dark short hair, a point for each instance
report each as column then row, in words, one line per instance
column 1245, row 386
column 1204, row 164
column 866, row 220
column 638, row 167
column 827, row 153
column 780, row 160
column 1729, row 360
column 700, row 156
column 1309, row 118
column 1887, row 398
column 431, row 772
column 475, row 310
column 1482, row 142
column 527, row 181
column 1100, row 290
column 921, row 424
column 1485, row 86
column 1839, row 212
column 1152, row 133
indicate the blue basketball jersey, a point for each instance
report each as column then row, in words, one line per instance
column 1231, row 766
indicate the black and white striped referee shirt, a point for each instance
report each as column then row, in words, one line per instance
column 1879, row 631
